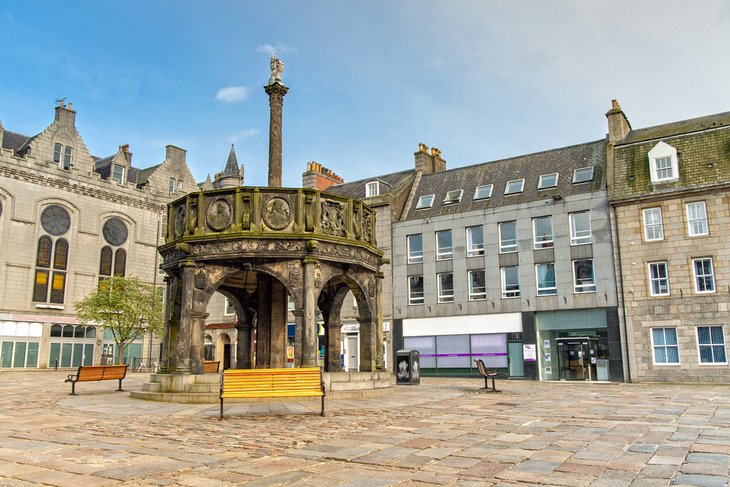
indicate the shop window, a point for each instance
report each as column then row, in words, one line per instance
column 545, row 275
column 445, row 287
column 711, row 342
column 658, row 279
column 580, row 228
column 444, row 249
column 697, row 219
column 415, row 289
column 510, row 282
column 415, row 248
column 583, row 276
column 507, row 237
column 474, row 241
column 704, row 275
column 543, row 232
column 665, row 344
column 653, row 227
column 477, row 285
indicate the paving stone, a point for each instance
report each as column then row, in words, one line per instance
column 700, row 480
column 708, row 458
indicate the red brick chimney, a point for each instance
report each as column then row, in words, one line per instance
column 319, row 177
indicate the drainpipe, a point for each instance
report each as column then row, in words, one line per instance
column 623, row 300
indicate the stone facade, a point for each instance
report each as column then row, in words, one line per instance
column 36, row 178
column 665, row 229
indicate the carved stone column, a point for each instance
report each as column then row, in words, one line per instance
column 298, row 327
column 378, row 298
column 197, row 341
column 279, row 309
column 367, row 344
column 263, row 322
column 276, row 92
column 167, row 362
column 333, row 328
column 309, row 328
column 186, row 319
column 243, row 350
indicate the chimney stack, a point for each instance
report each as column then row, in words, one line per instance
column 319, row 177
column 618, row 125
column 127, row 155
column 65, row 114
column 429, row 163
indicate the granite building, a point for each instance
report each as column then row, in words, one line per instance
column 67, row 219
column 669, row 189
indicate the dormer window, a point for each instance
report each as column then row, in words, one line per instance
column 583, row 174
column 453, row 196
column 118, row 173
column 548, row 181
column 425, row 201
column 372, row 189
column 663, row 164
column 514, row 186
column 483, row 192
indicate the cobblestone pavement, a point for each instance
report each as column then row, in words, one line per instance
column 442, row 432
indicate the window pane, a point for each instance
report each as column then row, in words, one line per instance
column 415, row 248
column 583, row 174
column 57, row 288
column 543, row 228
column 105, row 262
column 483, row 192
column 446, row 287
column 716, row 335
column 658, row 336
column 60, row 256
column 443, row 245
column 425, row 201
column 580, row 228
column 653, row 229
column 57, row 152
column 584, row 281
column 510, row 282
column 415, row 289
column 474, row 241
column 508, row 237
column 40, row 287
column 43, row 258
column 453, row 351
column 426, row 347
column 120, row 262
column 545, row 279
column 477, row 285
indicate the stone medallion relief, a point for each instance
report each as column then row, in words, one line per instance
column 179, row 223
column 276, row 213
column 219, row 214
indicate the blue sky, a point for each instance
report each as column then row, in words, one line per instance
column 368, row 81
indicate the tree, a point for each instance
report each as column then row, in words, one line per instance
column 126, row 306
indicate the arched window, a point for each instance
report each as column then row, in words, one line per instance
column 52, row 256
column 115, row 234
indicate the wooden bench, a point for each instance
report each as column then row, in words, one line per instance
column 88, row 373
column 211, row 367
column 487, row 375
column 263, row 383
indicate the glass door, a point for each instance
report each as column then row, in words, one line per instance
column 577, row 358
column 515, row 358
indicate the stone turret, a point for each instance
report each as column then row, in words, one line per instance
column 231, row 176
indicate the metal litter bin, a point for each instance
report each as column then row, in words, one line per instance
column 407, row 367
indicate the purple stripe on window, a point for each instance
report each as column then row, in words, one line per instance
column 497, row 354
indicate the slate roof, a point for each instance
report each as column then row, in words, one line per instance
column 389, row 182
column 14, row 141
column 528, row 167
column 143, row 175
column 677, row 128
column 231, row 169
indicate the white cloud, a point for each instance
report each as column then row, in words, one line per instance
column 232, row 94
column 243, row 134
column 266, row 48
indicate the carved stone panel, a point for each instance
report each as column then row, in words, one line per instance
column 333, row 218
column 276, row 213
column 219, row 214
column 367, row 226
column 179, row 224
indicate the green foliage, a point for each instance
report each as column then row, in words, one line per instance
column 124, row 305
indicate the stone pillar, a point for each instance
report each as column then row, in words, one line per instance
column 263, row 322
column 279, row 310
column 367, row 344
column 197, row 342
column 165, row 365
column 378, row 298
column 309, row 328
column 276, row 92
column 243, row 348
column 186, row 319
column 333, row 328
column 298, row 326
